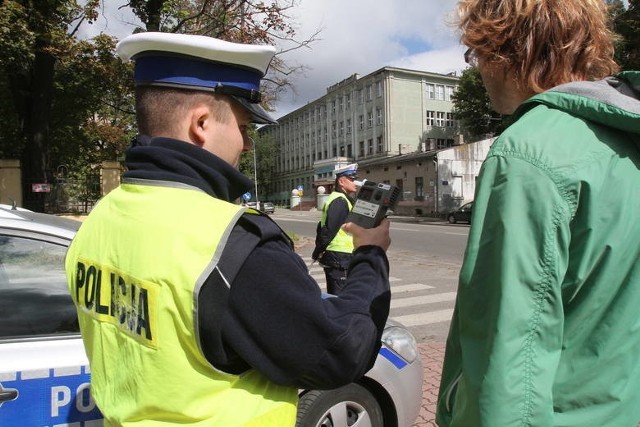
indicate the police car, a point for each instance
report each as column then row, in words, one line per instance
column 44, row 373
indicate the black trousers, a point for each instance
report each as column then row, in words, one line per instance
column 335, row 266
column 336, row 279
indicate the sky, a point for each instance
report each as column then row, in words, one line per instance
column 362, row 36
column 357, row 37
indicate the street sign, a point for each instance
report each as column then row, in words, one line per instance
column 41, row 188
column 246, row 197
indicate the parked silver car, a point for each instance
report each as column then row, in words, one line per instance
column 267, row 207
column 44, row 372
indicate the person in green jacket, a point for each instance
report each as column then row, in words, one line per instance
column 546, row 327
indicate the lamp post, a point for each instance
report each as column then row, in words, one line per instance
column 255, row 174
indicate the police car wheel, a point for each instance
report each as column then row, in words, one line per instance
column 452, row 219
column 351, row 405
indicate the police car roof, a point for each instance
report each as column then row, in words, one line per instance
column 26, row 220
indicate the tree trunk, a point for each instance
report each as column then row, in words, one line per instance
column 35, row 158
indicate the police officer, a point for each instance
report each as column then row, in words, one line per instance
column 334, row 247
column 193, row 309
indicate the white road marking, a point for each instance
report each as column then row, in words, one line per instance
column 410, row 288
column 425, row 318
column 425, row 299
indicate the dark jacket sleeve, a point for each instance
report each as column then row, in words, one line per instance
column 278, row 322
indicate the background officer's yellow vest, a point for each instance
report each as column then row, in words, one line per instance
column 342, row 242
column 134, row 270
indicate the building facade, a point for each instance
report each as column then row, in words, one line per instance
column 387, row 113
column 431, row 183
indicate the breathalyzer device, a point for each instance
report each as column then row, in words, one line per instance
column 373, row 201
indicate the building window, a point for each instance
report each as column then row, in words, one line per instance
column 333, row 129
column 379, row 148
column 333, row 106
column 341, row 128
column 440, row 118
column 361, row 149
column 341, row 103
column 369, row 92
column 360, row 96
column 431, row 118
column 450, row 121
column 449, row 91
column 370, row 146
column 348, row 126
column 440, row 92
column 369, row 119
column 379, row 88
column 348, row 99
column 361, row 121
column 431, row 91
column 419, row 187
column 379, row 116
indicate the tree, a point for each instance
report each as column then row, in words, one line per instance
column 70, row 101
column 626, row 23
column 53, row 84
column 266, row 152
column 472, row 107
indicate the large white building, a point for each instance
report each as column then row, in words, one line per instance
column 389, row 112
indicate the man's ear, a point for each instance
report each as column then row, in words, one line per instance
column 200, row 119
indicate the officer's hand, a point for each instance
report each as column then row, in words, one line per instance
column 378, row 236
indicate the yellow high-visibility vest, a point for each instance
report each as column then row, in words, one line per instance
column 134, row 270
column 342, row 242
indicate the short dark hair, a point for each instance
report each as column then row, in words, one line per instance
column 157, row 108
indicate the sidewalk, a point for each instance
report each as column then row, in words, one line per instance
column 432, row 354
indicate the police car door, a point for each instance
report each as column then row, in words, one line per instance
column 44, row 374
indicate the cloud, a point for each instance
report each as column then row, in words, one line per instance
column 357, row 37
column 361, row 36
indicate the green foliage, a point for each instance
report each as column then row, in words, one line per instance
column 626, row 22
column 69, row 102
column 472, row 107
column 265, row 153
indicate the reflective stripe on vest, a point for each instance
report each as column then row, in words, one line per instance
column 134, row 270
column 342, row 242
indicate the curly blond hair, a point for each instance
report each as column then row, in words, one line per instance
column 544, row 42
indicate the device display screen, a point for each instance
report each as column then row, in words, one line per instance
column 365, row 193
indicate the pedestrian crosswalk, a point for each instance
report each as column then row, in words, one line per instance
column 409, row 304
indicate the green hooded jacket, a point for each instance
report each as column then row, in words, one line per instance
column 546, row 328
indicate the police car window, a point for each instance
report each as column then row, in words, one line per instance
column 34, row 299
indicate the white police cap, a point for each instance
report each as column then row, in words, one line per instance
column 349, row 170
column 200, row 63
